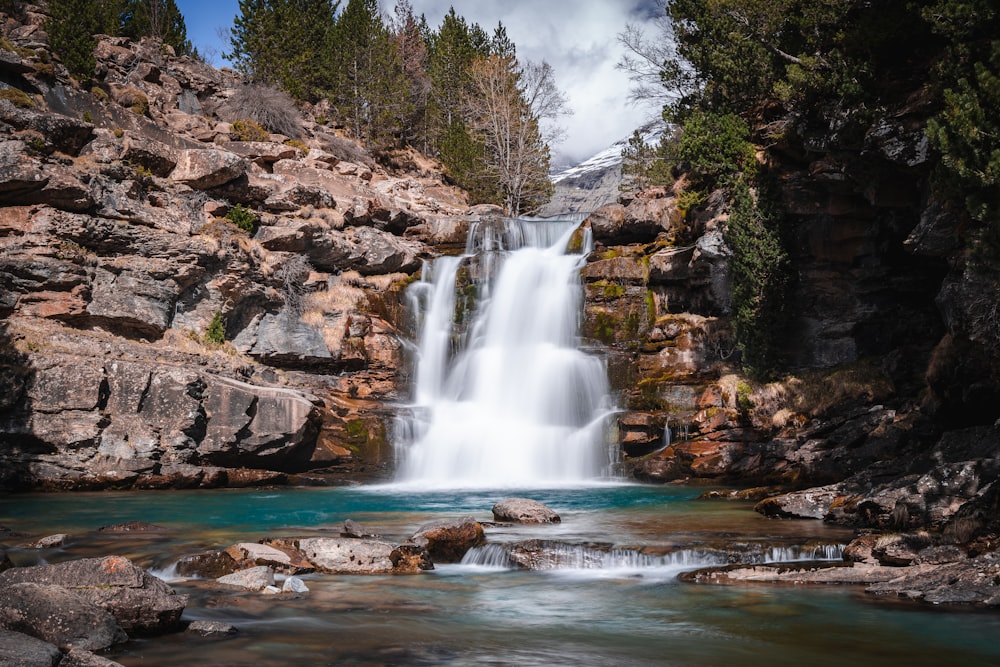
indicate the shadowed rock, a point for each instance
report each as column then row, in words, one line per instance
column 447, row 541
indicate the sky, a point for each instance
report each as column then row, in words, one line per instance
column 578, row 38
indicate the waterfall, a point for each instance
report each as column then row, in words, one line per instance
column 503, row 395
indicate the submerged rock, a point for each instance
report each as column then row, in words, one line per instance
column 524, row 510
column 211, row 628
column 254, row 578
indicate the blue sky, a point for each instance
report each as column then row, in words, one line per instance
column 581, row 45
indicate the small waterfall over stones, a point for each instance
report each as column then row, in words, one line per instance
column 503, row 395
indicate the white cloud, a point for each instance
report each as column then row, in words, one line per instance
column 580, row 40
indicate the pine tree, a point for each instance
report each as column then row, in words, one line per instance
column 156, row 18
column 72, row 25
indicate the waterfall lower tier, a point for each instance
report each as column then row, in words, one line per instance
column 503, row 395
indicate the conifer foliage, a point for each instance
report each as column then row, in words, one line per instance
column 72, row 25
column 454, row 92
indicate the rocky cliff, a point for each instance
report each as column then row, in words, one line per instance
column 182, row 308
column 890, row 403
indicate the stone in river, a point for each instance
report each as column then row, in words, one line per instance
column 524, row 510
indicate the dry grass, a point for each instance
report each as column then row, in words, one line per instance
column 266, row 106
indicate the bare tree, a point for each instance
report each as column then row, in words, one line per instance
column 652, row 63
column 503, row 110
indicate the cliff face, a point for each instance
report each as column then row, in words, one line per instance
column 118, row 258
column 891, row 403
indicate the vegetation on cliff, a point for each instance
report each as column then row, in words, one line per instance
column 455, row 92
column 796, row 77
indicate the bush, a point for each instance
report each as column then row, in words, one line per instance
column 242, row 217
column 247, row 130
column 216, row 332
column 268, row 107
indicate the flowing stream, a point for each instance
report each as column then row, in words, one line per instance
column 504, row 396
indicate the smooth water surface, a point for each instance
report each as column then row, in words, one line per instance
column 480, row 615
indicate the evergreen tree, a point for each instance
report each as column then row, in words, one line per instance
column 156, row 18
column 72, row 25
column 411, row 35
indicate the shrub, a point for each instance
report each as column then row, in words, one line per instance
column 87, row 118
column 247, row 130
column 266, row 106
column 135, row 100
column 118, row 132
column 215, row 334
column 716, row 148
column 242, row 217
column 99, row 93
column 17, row 97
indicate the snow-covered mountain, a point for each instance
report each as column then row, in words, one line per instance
column 594, row 182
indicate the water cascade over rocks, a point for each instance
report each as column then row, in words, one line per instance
column 503, row 394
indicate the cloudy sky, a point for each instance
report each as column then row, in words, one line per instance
column 578, row 38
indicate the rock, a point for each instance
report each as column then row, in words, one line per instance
column 524, row 510
column 410, row 559
column 254, row 578
column 345, row 555
column 49, row 542
column 281, row 560
column 203, row 169
column 80, row 658
column 21, row 650
column 143, row 604
column 57, row 615
column 809, row 504
column 294, row 585
column 210, row 565
column 610, row 227
column 212, row 628
column 975, row 581
column 354, row 529
column 132, row 527
column 447, row 541
column 158, row 158
column 287, row 341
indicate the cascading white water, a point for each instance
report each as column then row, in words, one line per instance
column 503, row 394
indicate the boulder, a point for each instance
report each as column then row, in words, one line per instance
column 345, row 555
column 282, row 560
column 974, row 581
column 143, row 604
column 294, row 585
column 158, row 158
column 20, row 650
column 253, row 578
column 203, row 169
column 57, row 615
column 524, row 510
column 809, row 504
column 209, row 565
column 447, row 541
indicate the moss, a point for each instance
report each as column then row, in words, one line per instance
column 17, row 97
column 118, row 132
column 609, row 290
column 603, row 327
column 99, row 93
column 650, row 307
column 247, row 130
column 744, row 401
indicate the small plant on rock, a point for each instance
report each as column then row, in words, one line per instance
column 242, row 217
column 17, row 97
column 215, row 334
column 247, row 130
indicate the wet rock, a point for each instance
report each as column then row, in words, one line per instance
column 210, row 565
column 345, row 555
column 212, row 628
column 132, row 527
column 524, row 510
column 447, row 541
column 281, row 560
column 410, row 559
column 48, row 542
column 254, row 578
column 294, row 585
column 21, row 650
column 143, row 604
column 354, row 529
column 57, row 615
column 81, row 658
